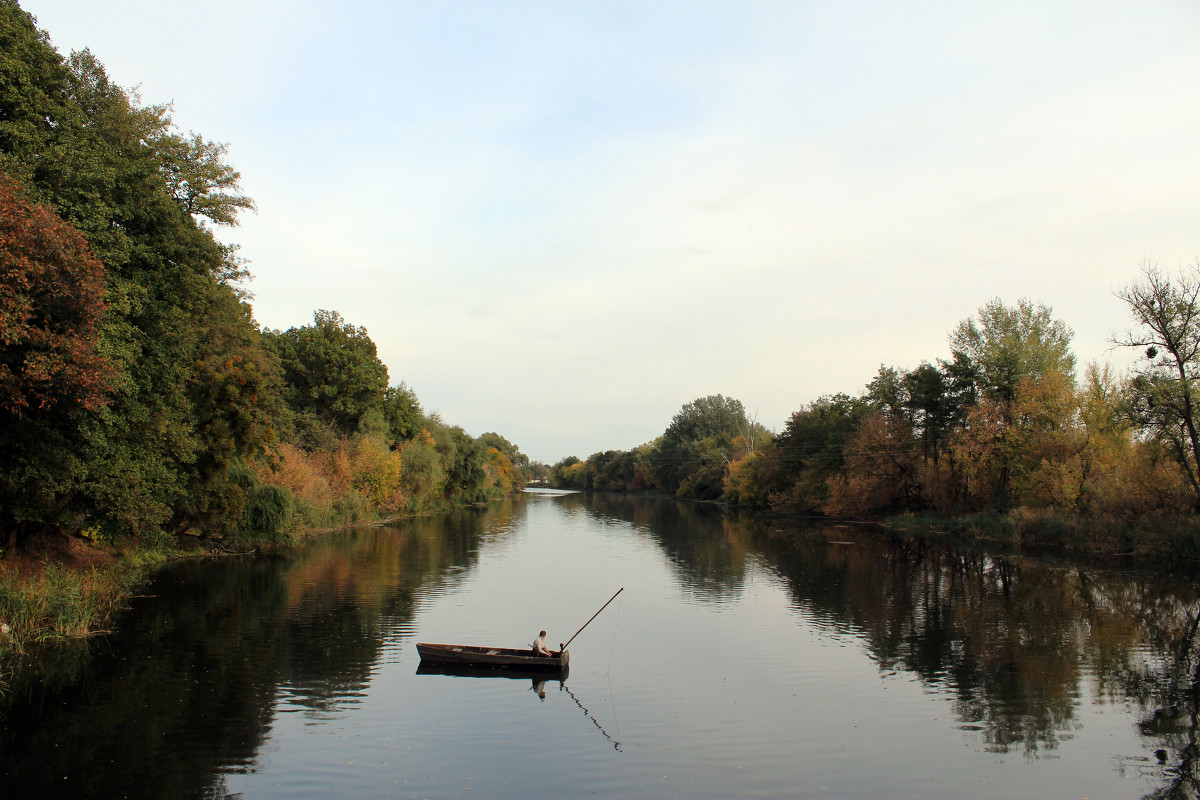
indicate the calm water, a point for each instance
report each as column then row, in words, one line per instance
column 744, row 658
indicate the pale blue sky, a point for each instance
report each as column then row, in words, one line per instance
column 562, row 221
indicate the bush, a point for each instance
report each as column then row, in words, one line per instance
column 268, row 516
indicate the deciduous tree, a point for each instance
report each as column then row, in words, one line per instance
column 1167, row 312
column 331, row 369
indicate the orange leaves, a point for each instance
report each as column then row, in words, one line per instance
column 51, row 303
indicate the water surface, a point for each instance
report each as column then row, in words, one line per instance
column 745, row 657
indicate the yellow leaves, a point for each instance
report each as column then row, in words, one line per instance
column 373, row 471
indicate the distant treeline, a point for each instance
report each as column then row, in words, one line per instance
column 1001, row 425
column 138, row 397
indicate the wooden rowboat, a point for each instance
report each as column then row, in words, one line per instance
column 503, row 657
column 491, row 656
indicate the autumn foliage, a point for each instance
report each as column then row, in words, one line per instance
column 51, row 305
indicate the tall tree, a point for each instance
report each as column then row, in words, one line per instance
column 697, row 445
column 331, row 369
column 1010, row 343
column 89, row 150
column 51, row 367
column 1167, row 311
column 1005, row 349
column 929, row 404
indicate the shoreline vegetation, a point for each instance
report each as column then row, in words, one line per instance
column 999, row 441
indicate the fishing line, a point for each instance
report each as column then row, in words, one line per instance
column 612, row 644
column 608, row 671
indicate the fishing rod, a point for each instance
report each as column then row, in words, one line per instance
column 589, row 622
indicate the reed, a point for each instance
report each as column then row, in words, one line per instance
column 58, row 603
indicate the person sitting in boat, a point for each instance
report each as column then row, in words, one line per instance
column 539, row 646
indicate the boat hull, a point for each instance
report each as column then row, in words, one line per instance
column 491, row 657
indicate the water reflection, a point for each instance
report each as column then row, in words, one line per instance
column 187, row 688
column 190, row 687
column 1011, row 638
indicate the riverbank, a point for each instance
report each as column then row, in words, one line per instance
column 61, row 588
column 1154, row 539
column 57, row 588
column 1159, row 539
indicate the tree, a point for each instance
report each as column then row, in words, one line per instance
column 466, row 474
column 34, row 107
column 200, row 180
column 51, row 304
column 928, row 402
column 888, row 391
column 1008, row 348
column 561, row 473
column 880, row 472
column 503, row 445
column 402, row 413
column 331, row 369
column 1167, row 311
column 1009, row 344
column 812, row 449
column 51, row 367
column 698, row 440
column 87, row 149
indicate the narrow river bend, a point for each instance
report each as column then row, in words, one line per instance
column 746, row 657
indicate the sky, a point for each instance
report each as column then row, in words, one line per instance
column 562, row 221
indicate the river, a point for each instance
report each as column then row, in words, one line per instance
column 746, row 657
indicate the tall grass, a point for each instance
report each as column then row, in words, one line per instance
column 58, row 603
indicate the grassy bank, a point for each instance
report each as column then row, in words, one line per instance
column 60, row 602
column 62, row 588
column 1163, row 538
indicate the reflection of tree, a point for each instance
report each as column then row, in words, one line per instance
column 1010, row 638
column 1164, row 679
column 1005, row 636
column 709, row 561
column 188, row 686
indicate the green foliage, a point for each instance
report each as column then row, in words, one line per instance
column 268, row 515
column 402, row 413
column 692, row 454
column 83, row 146
column 930, row 407
column 1011, row 344
column 811, row 450
column 465, row 473
column 330, row 369
column 565, row 475
column 424, row 474
column 199, row 179
column 616, row 470
column 350, row 508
